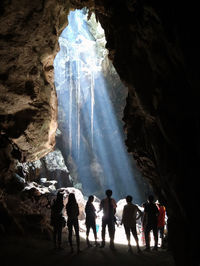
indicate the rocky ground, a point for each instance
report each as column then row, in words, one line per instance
column 39, row 251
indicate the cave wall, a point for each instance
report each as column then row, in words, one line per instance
column 154, row 47
column 28, row 104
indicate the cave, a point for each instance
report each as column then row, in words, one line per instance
column 154, row 49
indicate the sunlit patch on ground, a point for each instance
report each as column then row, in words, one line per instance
column 120, row 237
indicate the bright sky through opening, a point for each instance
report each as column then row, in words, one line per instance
column 93, row 135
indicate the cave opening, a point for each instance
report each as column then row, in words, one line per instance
column 91, row 99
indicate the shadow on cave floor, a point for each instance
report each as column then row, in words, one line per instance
column 39, row 251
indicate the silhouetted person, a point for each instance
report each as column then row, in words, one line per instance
column 90, row 220
column 161, row 221
column 57, row 219
column 109, row 209
column 130, row 214
column 72, row 213
column 151, row 219
column 143, row 218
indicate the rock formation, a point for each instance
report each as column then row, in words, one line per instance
column 28, row 110
column 29, row 210
column 50, row 167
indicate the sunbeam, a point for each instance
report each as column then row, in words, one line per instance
column 93, row 132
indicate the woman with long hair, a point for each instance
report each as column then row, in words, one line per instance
column 57, row 220
column 72, row 213
column 90, row 222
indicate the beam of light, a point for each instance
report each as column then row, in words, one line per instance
column 87, row 118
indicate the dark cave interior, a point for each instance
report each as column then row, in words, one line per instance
column 154, row 47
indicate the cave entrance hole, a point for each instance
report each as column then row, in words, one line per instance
column 91, row 99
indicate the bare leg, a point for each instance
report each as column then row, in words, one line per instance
column 103, row 232
column 87, row 236
column 111, row 230
column 134, row 232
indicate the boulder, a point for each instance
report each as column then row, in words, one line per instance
column 79, row 198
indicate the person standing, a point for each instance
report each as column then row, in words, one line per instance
column 90, row 219
column 129, row 217
column 161, row 221
column 143, row 218
column 108, row 205
column 72, row 210
column 151, row 213
column 57, row 220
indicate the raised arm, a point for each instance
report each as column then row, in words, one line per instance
column 100, row 206
column 139, row 214
column 122, row 221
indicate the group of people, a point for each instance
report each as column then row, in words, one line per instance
column 58, row 221
column 153, row 219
